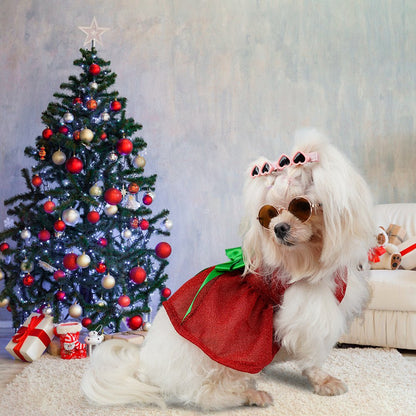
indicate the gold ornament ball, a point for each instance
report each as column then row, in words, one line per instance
column 59, row 157
column 4, row 302
column 110, row 210
column 83, row 260
column 96, row 190
column 70, row 216
column 26, row 266
column 139, row 161
column 75, row 310
column 86, row 135
column 126, row 234
column 108, row 281
column 146, row 326
column 101, row 303
column 1, row 274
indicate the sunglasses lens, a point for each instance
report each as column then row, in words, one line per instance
column 265, row 168
column 299, row 158
column 300, row 208
column 284, row 161
column 266, row 214
column 255, row 171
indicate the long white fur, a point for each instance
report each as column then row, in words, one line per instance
column 169, row 369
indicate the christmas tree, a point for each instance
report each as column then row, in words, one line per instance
column 83, row 240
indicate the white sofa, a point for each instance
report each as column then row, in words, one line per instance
column 390, row 318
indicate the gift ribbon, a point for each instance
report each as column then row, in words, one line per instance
column 236, row 262
column 24, row 331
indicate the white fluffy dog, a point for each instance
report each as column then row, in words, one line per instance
column 307, row 229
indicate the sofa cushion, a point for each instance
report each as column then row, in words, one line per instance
column 399, row 214
column 393, row 290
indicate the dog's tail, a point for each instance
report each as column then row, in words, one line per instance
column 111, row 378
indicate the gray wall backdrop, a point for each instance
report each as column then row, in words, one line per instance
column 217, row 83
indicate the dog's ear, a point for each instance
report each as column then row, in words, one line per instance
column 347, row 207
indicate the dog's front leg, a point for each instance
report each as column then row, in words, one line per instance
column 323, row 383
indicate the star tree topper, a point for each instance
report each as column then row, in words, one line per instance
column 93, row 32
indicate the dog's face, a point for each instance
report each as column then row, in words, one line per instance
column 305, row 217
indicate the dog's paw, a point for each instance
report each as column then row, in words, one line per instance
column 330, row 386
column 396, row 260
column 258, row 398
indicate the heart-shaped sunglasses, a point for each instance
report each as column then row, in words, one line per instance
column 299, row 158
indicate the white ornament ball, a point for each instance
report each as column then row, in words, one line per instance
column 4, row 302
column 86, row 135
column 83, row 260
column 168, row 224
column 25, row 234
column 101, row 303
column 70, row 216
column 1, row 274
column 126, row 234
column 146, row 326
column 96, row 190
column 47, row 310
column 93, row 85
column 59, row 157
column 68, row 117
column 75, row 310
column 108, row 281
column 105, row 116
column 110, row 210
column 139, row 161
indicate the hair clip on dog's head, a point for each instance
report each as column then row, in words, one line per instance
column 300, row 158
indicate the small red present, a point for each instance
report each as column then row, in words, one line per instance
column 32, row 338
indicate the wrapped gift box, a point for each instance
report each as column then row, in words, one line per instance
column 32, row 338
column 135, row 337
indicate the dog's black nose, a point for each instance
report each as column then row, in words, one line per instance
column 281, row 230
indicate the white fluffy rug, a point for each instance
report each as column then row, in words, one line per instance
column 381, row 383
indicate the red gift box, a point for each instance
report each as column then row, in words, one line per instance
column 32, row 338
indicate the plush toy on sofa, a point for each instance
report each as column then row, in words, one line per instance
column 408, row 252
column 385, row 255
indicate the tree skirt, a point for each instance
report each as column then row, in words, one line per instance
column 380, row 381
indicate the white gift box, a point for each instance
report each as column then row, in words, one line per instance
column 32, row 338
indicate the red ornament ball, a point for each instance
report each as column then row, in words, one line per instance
column 47, row 133
column 135, row 322
column 36, row 180
column 115, row 105
column 60, row 296
column 101, row 268
column 86, row 322
column 44, row 235
column 49, row 206
column 113, row 196
column 124, row 146
column 103, row 136
column 63, row 130
column 59, row 225
column 28, row 280
column 137, row 275
column 91, row 104
column 58, row 274
column 76, row 135
column 163, row 250
column 70, row 261
column 124, row 301
column 144, row 224
column 74, row 165
column 4, row 247
column 103, row 242
column 93, row 217
column 133, row 188
column 166, row 292
column 94, row 69
column 147, row 199
column 134, row 223
column 77, row 100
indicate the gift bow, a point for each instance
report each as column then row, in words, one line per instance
column 24, row 331
column 375, row 253
column 236, row 262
